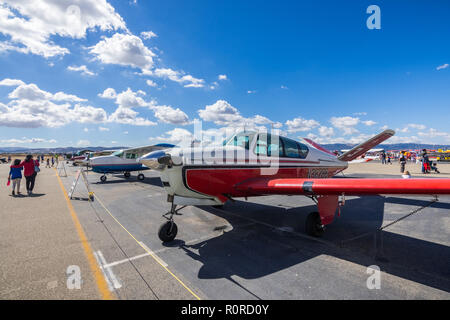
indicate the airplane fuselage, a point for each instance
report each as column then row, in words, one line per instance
column 208, row 176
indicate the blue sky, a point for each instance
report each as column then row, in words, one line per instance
column 90, row 72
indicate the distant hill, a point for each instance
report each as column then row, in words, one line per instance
column 395, row 146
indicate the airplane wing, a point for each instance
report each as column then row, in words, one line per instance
column 347, row 186
column 367, row 145
column 147, row 149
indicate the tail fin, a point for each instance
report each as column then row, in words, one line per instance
column 367, row 145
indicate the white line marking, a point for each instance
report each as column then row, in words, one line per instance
column 161, row 261
column 111, row 279
column 115, row 263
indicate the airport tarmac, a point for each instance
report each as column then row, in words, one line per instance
column 255, row 249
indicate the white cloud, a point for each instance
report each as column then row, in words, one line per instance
column 29, row 25
column 83, row 143
column 61, row 96
column 251, row 91
column 109, row 93
column 129, row 116
column 284, row 87
column 86, row 130
column 11, row 82
column 176, row 136
column 168, row 114
column 221, row 113
column 346, row 124
column 326, row 131
column 224, row 114
column 125, row 50
column 148, row 35
column 369, row 123
column 131, row 99
column 26, row 140
column 300, row 124
column 222, row 77
column 417, row 126
column 187, row 80
column 151, row 83
column 103, row 129
column 444, row 66
column 83, row 69
column 29, row 92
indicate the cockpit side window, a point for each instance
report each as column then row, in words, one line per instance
column 241, row 140
column 293, row 149
column 269, row 145
column 130, row 156
column 118, row 154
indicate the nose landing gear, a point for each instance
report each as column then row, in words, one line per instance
column 168, row 230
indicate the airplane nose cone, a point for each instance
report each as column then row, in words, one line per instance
column 151, row 160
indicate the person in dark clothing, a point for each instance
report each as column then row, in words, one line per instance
column 383, row 158
column 30, row 172
column 402, row 161
column 425, row 161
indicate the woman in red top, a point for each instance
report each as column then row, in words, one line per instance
column 29, row 172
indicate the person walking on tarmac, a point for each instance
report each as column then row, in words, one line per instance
column 402, row 161
column 31, row 168
column 383, row 158
column 425, row 161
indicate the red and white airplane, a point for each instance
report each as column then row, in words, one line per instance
column 256, row 164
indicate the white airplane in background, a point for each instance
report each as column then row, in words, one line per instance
column 124, row 160
column 256, row 164
column 372, row 154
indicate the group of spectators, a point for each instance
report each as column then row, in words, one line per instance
column 403, row 157
column 30, row 168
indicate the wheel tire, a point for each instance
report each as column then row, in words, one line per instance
column 127, row 174
column 168, row 231
column 314, row 225
column 103, row 178
column 141, row 177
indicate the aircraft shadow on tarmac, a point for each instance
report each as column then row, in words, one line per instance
column 253, row 250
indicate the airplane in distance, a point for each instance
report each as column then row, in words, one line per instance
column 124, row 160
column 257, row 164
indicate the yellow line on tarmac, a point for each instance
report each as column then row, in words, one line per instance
column 102, row 286
column 149, row 252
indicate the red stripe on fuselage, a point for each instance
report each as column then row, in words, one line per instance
column 219, row 181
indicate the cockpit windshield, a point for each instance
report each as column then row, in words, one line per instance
column 242, row 139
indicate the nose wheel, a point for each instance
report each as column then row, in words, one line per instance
column 141, row 177
column 168, row 230
column 103, row 178
column 127, row 174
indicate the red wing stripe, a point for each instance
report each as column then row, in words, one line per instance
column 346, row 186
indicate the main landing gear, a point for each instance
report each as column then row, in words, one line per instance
column 326, row 205
column 127, row 175
column 168, row 231
column 141, row 177
column 314, row 226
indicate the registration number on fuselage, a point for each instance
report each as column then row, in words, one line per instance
column 319, row 173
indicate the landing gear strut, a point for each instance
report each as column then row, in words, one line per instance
column 168, row 231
